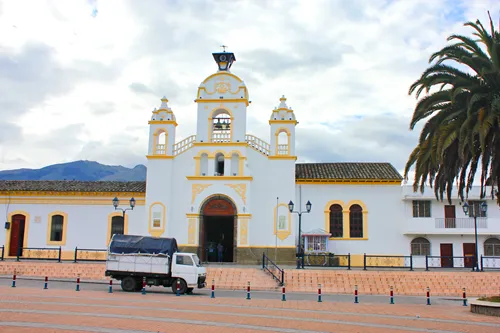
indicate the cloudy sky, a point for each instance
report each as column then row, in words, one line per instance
column 79, row 78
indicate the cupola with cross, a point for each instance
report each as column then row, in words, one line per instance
column 162, row 130
column 282, row 124
column 222, row 100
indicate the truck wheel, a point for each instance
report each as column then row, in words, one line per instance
column 128, row 284
column 182, row 287
column 138, row 285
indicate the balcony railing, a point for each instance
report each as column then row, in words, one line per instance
column 259, row 145
column 184, row 145
column 461, row 223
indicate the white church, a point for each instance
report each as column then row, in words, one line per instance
column 226, row 186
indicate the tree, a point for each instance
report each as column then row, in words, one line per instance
column 462, row 108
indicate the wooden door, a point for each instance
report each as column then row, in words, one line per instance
column 446, row 255
column 16, row 234
column 449, row 216
column 469, row 253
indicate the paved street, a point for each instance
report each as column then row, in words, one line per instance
column 38, row 283
column 29, row 307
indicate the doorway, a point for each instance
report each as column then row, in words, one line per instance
column 218, row 226
column 446, row 255
column 469, row 254
column 449, row 216
column 17, row 228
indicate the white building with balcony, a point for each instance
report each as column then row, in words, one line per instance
column 223, row 185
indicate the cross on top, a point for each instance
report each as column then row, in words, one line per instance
column 224, row 47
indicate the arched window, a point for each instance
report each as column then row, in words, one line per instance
column 420, row 247
column 356, row 221
column 117, row 225
column 336, row 221
column 161, row 143
column 219, row 164
column 492, row 247
column 56, row 228
column 235, row 164
column 283, row 147
column 204, row 164
column 221, row 126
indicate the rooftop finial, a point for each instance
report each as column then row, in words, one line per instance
column 224, row 47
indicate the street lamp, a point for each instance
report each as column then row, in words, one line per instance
column 308, row 210
column 116, row 202
column 484, row 208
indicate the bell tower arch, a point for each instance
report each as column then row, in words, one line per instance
column 222, row 100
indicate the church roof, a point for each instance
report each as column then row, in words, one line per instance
column 343, row 171
column 303, row 172
column 72, row 186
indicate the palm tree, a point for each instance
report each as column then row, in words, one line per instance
column 462, row 108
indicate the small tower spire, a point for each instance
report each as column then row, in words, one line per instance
column 224, row 59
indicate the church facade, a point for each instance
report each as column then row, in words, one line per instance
column 224, row 187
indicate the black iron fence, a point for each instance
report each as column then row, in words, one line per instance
column 378, row 261
column 56, row 254
column 466, row 262
column 490, row 263
column 326, row 260
column 276, row 272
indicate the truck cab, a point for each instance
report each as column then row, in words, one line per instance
column 188, row 267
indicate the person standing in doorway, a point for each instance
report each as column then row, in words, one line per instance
column 220, row 249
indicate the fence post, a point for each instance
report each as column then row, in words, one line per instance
column 263, row 260
column 411, row 262
column 59, row 259
column 426, row 262
column 348, row 261
column 3, row 249
column 482, row 267
column 282, row 277
column 364, row 262
column 76, row 253
column 19, row 249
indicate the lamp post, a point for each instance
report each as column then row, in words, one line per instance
column 484, row 208
column 116, row 202
column 308, row 210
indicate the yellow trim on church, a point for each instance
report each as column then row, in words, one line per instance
column 110, row 220
column 26, row 230
column 224, row 178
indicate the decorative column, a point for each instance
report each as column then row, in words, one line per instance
column 192, row 227
column 243, row 239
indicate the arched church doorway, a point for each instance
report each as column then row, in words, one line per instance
column 218, row 225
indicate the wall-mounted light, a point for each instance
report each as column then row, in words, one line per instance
column 7, row 225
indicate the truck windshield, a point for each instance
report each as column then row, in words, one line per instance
column 196, row 260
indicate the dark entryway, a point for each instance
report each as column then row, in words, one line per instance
column 218, row 226
column 219, row 230
column 446, row 255
column 17, row 234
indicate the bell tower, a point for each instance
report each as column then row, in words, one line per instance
column 282, row 125
column 222, row 102
column 162, row 130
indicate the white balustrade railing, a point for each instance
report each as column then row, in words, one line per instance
column 283, row 149
column 460, row 223
column 224, row 136
column 184, row 145
column 161, row 149
column 259, row 145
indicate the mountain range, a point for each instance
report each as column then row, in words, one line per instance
column 78, row 170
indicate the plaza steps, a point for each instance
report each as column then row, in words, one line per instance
column 449, row 283
column 404, row 282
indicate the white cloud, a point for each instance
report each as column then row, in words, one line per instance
column 76, row 86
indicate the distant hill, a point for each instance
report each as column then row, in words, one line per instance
column 78, row 170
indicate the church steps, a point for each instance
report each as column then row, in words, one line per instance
column 340, row 282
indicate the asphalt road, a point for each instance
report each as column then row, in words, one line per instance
column 104, row 287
